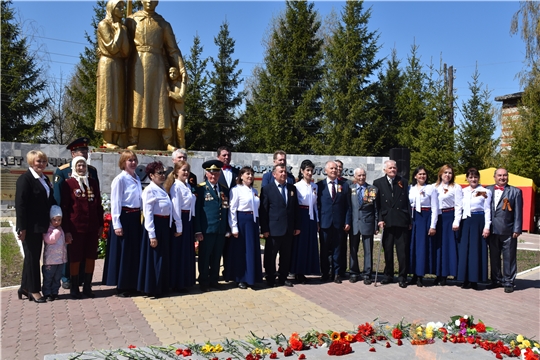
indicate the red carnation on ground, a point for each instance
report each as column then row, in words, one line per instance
column 273, row 355
column 301, row 357
column 397, row 333
column 178, row 352
column 480, row 327
column 372, row 349
column 131, row 347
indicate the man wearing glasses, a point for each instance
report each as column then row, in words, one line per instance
column 211, row 224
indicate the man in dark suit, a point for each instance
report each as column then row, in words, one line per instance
column 229, row 174
column 506, row 223
column 395, row 218
column 182, row 155
column 280, row 158
column 280, row 222
column 78, row 147
column 364, row 225
column 211, row 224
column 334, row 206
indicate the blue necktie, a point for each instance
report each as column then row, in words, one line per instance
column 283, row 193
column 361, row 196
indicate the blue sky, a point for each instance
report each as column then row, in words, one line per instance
column 461, row 33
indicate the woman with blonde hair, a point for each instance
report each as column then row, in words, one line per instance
column 33, row 201
column 182, row 246
column 450, row 210
column 124, row 240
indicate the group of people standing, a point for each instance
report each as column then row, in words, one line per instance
column 437, row 229
column 444, row 230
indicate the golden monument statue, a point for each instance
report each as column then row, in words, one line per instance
column 113, row 45
column 154, row 52
column 145, row 106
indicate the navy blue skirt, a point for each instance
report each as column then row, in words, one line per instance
column 472, row 250
column 123, row 253
column 446, row 254
column 244, row 252
column 422, row 246
column 182, row 256
column 154, row 270
column 305, row 253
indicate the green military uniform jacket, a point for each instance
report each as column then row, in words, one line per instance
column 63, row 173
column 211, row 209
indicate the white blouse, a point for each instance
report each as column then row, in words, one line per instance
column 182, row 199
column 478, row 199
column 126, row 191
column 155, row 201
column 307, row 196
column 451, row 197
column 243, row 199
column 425, row 196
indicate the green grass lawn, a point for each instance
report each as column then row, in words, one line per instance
column 12, row 261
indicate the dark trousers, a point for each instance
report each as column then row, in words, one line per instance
column 398, row 236
column 333, row 251
column 354, row 244
column 210, row 251
column 275, row 245
column 51, row 279
column 31, row 274
column 507, row 246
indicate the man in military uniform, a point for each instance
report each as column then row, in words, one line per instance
column 78, row 147
column 211, row 224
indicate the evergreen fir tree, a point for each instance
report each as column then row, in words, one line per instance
column 348, row 92
column 475, row 145
column 224, row 98
column 82, row 89
column 23, row 88
column 283, row 111
column 196, row 97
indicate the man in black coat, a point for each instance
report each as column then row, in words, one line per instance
column 395, row 219
column 280, row 221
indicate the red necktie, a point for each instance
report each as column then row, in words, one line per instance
column 333, row 190
column 497, row 187
column 225, row 167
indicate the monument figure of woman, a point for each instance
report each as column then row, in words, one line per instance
column 113, row 44
column 155, row 51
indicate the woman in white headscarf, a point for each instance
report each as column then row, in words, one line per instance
column 82, row 223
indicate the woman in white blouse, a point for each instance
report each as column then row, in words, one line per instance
column 472, row 247
column 157, row 210
column 425, row 209
column 182, row 251
column 124, row 245
column 305, row 253
column 450, row 210
column 244, row 248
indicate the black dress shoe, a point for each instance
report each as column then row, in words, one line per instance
column 54, row 297
column 287, row 283
column 204, row 288
column 367, row 281
column 474, row 285
column 300, row 279
column 242, row 285
column 413, row 280
column 353, row 279
column 325, row 278
column 387, row 281
column 419, row 282
column 215, row 285
column 39, row 301
column 402, row 284
column 337, row 279
column 443, row 281
column 508, row 289
column 466, row 285
column 437, row 281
